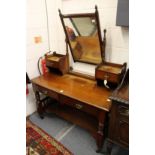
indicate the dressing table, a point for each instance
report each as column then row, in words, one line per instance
column 76, row 98
column 80, row 101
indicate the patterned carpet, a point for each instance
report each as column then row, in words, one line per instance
column 76, row 139
column 38, row 142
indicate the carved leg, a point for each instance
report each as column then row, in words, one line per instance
column 100, row 136
column 39, row 104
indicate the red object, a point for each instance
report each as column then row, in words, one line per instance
column 40, row 142
column 43, row 66
column 27, row 90
column 70, row 33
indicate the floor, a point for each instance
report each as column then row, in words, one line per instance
column 76, row 139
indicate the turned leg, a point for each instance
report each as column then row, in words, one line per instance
column 39, row 104
column 100, row 136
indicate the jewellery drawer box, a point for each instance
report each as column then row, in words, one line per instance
column 57, row 62
column 111, row 72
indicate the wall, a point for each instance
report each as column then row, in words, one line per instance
column 37, row 27
column 117, row 37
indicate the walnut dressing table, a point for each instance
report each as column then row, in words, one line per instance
column 80, row 101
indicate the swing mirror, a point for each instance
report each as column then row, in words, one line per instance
column 83, row 36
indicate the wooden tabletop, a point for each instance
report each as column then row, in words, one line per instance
column 79, row 88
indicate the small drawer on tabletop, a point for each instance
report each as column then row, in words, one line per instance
column 101, row 75
column 45, row 91
column 78, row 105
column 111, row 72
column 57, row 63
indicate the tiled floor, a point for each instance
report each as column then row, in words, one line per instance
column 76, row 139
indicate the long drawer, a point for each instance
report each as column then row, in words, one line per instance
column 78, row 105
column 45, row 91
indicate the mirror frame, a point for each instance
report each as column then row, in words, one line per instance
column 102, row 43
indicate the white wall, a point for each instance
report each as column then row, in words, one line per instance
column 37, row 26
column 117, row 49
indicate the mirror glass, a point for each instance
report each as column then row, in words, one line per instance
column 83, row 39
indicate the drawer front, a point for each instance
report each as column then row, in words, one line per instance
column 52, row 64
column 123, row 132
column 123, row 112
column 78, row 105
column 119, row 124
column 45, row 91
column 107, row 76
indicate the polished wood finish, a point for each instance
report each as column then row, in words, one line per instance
column 119, row 115
column 78, row 88
column 57, row 62
column 111, row 72
column 82, row 75
column 80, row 101
column 78, row 105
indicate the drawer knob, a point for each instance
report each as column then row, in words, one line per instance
column 78, row 106
column 106, row 77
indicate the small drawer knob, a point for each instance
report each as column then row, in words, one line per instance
column 78, row 106
column 106, row 77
